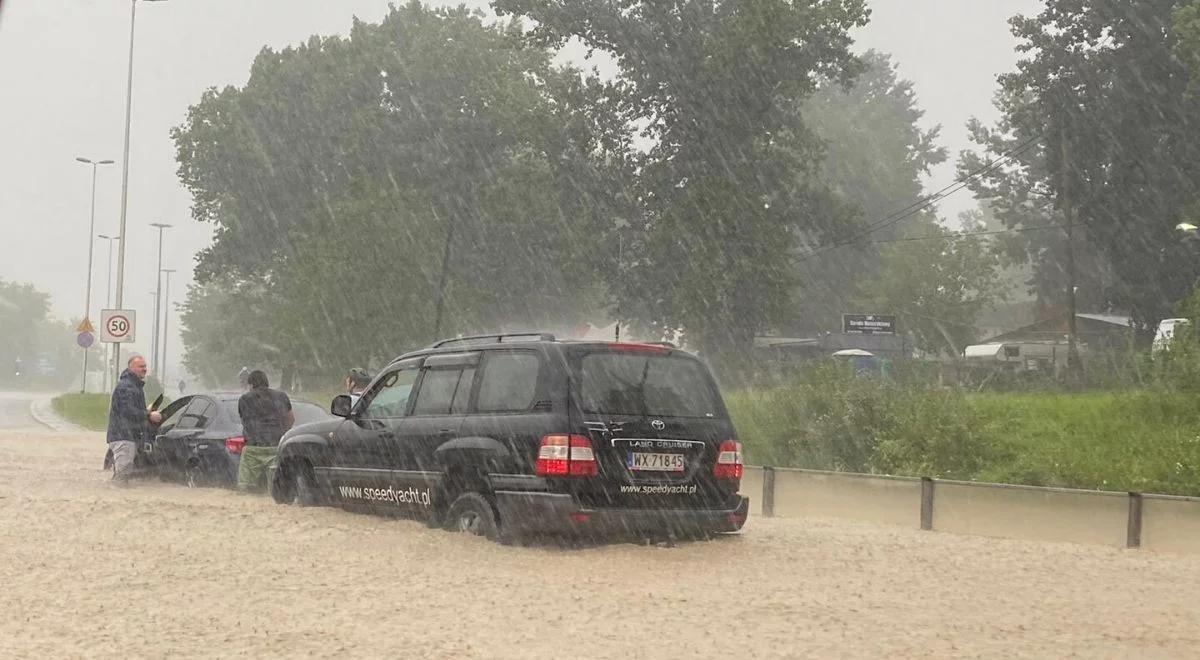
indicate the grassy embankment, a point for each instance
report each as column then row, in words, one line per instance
column 87, row 410
column 1139, row 440
column 91, row 410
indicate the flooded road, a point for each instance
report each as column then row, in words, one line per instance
column 14, row 411
column 158, row 569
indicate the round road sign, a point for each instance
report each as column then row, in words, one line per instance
column 85, row 339
column 118, row 326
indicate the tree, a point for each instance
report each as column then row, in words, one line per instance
column 875, row 155
column 353, row 181
column 731, row 178
column 1015, row 275
column 937, row 282
column 1186, row 24
column 23, row 311
column 45, row 347
column 1105, row 142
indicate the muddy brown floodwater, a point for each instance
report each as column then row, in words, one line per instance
column 160, row 570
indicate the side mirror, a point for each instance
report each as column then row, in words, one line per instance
column 341, row 406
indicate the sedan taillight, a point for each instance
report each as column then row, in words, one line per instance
column 234, row 445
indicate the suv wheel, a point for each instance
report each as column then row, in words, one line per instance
column 472, row 513
column 304, row 486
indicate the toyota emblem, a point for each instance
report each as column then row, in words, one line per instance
column 658, row 425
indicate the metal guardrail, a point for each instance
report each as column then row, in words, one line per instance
column 1134, row 512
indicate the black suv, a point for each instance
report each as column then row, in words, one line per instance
column 510, row 436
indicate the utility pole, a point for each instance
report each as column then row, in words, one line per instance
column 108, row 304
column 154, row 366
column 620, row 276
column 162, row 372
column 452, row 212
column 87, row 305
column 125, row 176
column 1073, row 363
column 441, row 290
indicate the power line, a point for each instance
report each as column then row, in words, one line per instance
column 957, row 185
column 929, row 200
column 993, row 232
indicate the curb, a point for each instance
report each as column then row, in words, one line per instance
column 43, row 413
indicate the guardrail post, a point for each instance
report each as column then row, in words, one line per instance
column 926, row 503
column 1133, row 530
column 768, row 495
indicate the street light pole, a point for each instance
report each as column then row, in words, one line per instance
column 125, row 170
column 154, row 295
column 108, row 298
column 87, row 300
column 158, row 295
column 162, row 373
column 108, row 292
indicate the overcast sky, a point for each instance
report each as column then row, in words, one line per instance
column 62, row 80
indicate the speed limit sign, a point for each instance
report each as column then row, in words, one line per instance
column 118, row 326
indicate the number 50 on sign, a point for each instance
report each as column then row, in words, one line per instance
column 118, row 326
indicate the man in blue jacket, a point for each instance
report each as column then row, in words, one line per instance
column 128, row 418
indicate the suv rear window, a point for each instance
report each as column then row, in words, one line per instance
column 616, row 383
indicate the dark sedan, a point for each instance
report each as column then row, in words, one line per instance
column 200, row 440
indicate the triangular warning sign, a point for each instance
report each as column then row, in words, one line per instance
column 85, row 326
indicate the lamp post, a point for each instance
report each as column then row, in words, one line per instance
column 125, row 172
column 162, row 372
column 154, row 295
column 108, row 298
column 87, row 304
column 158, row 293
column 108, row 291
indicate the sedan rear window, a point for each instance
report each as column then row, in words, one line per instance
column 616, row 383
column 308, row 412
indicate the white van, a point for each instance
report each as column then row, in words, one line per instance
column 1164, row 334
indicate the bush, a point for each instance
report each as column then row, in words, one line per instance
column 830, row 419
column 936, row 434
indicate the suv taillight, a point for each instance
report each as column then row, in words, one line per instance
column 729, row 461
column 234, row 445
column 566, row 456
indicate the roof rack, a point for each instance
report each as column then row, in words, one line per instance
column 496, row 339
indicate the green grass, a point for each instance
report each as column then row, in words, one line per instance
column 87, row 410
column 1132, row 440
column 1137, row 440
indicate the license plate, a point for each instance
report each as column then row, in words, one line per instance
column 656, row 462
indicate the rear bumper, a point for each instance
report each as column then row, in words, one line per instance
column 554, row 513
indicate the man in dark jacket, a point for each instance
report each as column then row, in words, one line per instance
column 128, row 418
column 266, row 414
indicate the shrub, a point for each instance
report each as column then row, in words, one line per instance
column 828, row 418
